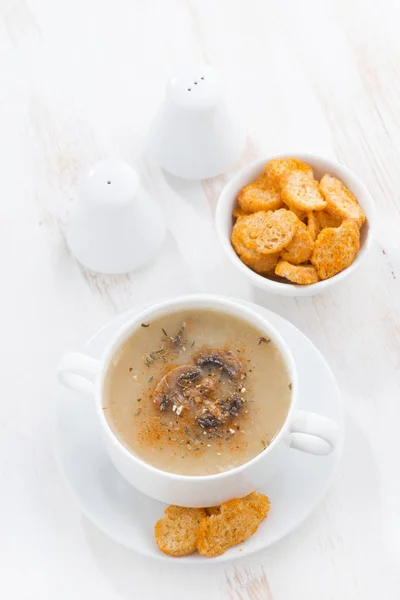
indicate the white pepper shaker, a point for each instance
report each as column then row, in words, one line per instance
column 194, row 135
column 115, row 226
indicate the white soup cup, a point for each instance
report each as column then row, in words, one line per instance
column 303, row 431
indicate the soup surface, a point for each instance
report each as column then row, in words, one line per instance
column 197, row 392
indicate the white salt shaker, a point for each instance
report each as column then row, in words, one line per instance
column 194, row 135
column 115, row 226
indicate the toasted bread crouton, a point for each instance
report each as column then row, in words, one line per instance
column 264, row 264
column 301, row 274
column 335, row 249
column 239, row 212
column 301, row 192
column 300, row 248
column 261, row 194
column 237, row 521
column 266, row 233
column 278, row 167
column 327, row 220
column 340, row 201
column 259, row 502
column 313, row 224
column 176, row 533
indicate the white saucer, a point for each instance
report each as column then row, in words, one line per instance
column 128, row 516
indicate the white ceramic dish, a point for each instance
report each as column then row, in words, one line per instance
column 114, row 225
column 128, row 516
column 194, row 134
column 303, row 430
column 224, row 222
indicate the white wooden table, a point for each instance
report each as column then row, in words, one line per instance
column 81, row 80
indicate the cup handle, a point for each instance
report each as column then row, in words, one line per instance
column 78, row 372
column 313, row 433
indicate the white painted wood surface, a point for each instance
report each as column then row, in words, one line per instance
column 81, row 80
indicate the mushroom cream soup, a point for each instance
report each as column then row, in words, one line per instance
column 197, row 392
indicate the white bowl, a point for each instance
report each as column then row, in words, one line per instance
column 224, row 221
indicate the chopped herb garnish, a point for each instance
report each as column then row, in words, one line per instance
column 263, row 340
column 139, row 400
column 137, row 413
column 290, row 386
column 145, row 324
column 130, row 368
column 151, row 379
column 229, row 437
column 151, row 358
column 163, row 424
column 193, row 343
column 148, row 428
column 148, row 360
column 264, row 444
column 175, row 343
